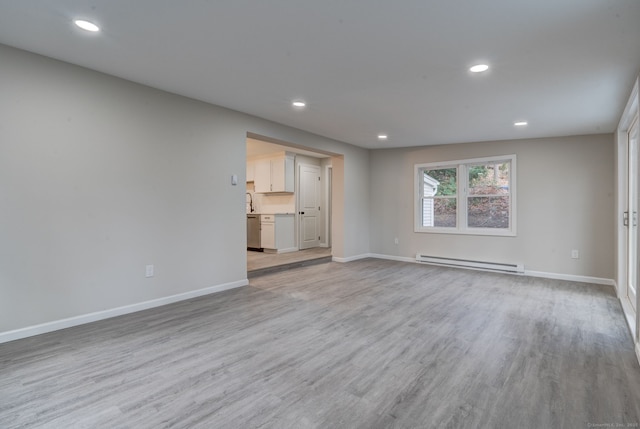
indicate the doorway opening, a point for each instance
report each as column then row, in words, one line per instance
column 288, row 195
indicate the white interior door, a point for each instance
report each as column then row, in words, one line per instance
column 633, row 263
column 309, row 206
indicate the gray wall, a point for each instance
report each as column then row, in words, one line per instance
column 565, row 200
column 100, row 176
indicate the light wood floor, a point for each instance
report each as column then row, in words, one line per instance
column 367, row 344
column 261, row 260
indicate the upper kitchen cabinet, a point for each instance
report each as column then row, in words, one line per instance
column 251, row 169
column 274, row 174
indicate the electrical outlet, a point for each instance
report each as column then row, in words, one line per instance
column 149, row 271
column 575, row 254
column 396, row 240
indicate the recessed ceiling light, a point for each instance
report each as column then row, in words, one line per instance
column 299, row 103
column 478, row 68
column 86, row 25
column 520, row 123
column 382, row 136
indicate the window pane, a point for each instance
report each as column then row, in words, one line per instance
column 444, row 212
column 489, row 179
column 488, row 212
column 440, row 182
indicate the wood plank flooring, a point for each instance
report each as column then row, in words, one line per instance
column 261, row 260
column 367, row 344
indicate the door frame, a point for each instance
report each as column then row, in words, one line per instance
column 630, row 114
column 328, row 182
column 633, row 196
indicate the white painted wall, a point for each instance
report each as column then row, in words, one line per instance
column 100, row 177
column 565, row 195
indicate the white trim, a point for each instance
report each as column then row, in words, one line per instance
column 486, row 159
column 632, row 107
column 392, row 257
column 495, row 232
column 621, row 206
column 113, row 312
column 629, row 314
column 571, row 278
column 628, row 117
column 278, row 251
column 351, row 258
column 328, row 184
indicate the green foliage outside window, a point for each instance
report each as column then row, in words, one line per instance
column 447, row 179
column 477, row 173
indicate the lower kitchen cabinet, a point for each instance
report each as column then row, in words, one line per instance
column 277, row 233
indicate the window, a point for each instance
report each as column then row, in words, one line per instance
column 475, row 196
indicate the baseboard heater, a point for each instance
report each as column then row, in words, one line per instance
column 467, row 263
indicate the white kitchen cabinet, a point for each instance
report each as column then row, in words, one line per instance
column 274, row 174
column 262, row 176
column 267, row 232
column 251, row 169
column 277, row 233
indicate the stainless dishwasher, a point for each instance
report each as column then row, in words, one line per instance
column 253, row 232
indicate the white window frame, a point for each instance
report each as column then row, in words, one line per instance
column 462, row 181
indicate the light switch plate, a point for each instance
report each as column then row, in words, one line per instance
column 234, row 179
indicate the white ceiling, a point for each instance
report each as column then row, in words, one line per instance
column 364, row 66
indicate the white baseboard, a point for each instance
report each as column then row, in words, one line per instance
column 288, row 250
column 571, row 277
column 351, row 258
column 393, row 257
column 43, row 328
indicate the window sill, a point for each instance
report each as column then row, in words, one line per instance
column 478, row 231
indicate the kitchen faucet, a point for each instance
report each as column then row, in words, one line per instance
column 250, row 202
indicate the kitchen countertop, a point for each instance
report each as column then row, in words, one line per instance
column 273, row 214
